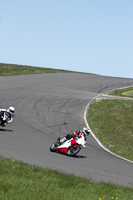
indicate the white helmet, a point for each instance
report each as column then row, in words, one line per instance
column 11, row 109
column 86, row 131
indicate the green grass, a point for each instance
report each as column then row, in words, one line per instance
column 19, row 181
column 112, row 123
column 25, row 182
column 125, row 92
column 10, row 70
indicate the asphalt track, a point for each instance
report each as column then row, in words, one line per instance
column 52, row 105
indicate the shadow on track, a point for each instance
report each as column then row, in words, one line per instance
column 79, row 156
column 76, row 156
column 6, row 130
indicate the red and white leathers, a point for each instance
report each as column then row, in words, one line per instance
column 75, row 135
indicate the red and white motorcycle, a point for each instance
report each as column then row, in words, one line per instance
column 70, row 147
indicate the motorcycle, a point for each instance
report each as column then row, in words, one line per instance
column 69, row 147
column 3, row 117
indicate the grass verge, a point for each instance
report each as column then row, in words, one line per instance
column 125, row 92
column 25, row 182
column 111, row 121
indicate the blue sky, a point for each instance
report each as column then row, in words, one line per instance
column 94, row 36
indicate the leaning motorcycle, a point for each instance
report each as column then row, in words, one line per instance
column 69, row 147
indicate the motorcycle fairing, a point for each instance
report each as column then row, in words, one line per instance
column 64, row 147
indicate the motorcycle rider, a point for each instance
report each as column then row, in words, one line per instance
column 9, row 112
column 76, row 135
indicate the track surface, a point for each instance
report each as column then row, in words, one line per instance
column 52, row 105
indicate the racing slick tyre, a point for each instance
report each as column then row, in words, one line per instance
column 1, row 122
column 73, row 150
column 53, row 147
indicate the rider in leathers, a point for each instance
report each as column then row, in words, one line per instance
column 10, row 113
column 76, row 134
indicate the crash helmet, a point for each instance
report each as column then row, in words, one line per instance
column 11, row 109
column 86, row 131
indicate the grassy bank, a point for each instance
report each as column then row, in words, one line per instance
column 10, row 70
column 24, row 182
column 111, row 121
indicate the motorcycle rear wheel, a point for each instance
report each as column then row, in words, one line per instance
column 73, row 150
column 1, row 122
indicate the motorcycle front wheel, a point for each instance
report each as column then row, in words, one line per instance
column 73, row 150
column 53, row 147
